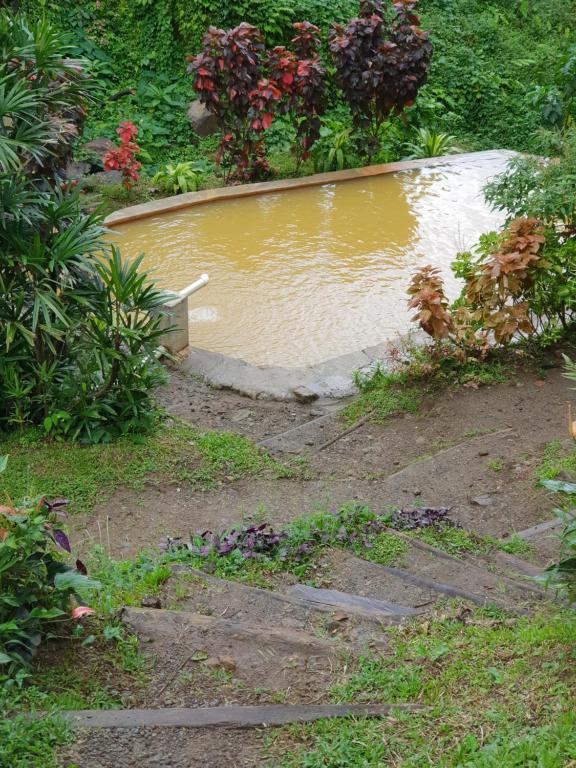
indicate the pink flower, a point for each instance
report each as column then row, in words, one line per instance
column 82, row 610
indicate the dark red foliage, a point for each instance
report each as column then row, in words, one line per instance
column 380, row 65
column 245, row 86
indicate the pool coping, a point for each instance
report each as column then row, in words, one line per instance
column 329, row 379
column 189, row 199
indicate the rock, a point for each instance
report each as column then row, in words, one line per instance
column 304, row 395
column 203, row 122
column 317, row 412
column 482, row 501
column 241, row 414
column 151, row 601
column 77, row 170
column 222, row 662
column 104, row 177
column 98, row 147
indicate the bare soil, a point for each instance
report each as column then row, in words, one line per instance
column 473, row 450
column 460, row 446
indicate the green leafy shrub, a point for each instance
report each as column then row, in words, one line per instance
column 335, row 150
column 180, row 177
column 77, row 329
column 543, row 189
column 36, row 586
column 428, row 143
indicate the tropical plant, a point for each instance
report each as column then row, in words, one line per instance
column 123, row 157
column 504, row 296
column 245, row 86
column 180, row 177
column 334, row 151
column 381, row 64
column 37, row 587
column 76, row 326
column 543, row 189
column 428, row 143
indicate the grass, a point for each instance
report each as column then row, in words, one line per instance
column 385, row 393
column 89, row 475
column 69, row 676
column 454, row 541
column 385, row 549
column 557, row 460
column 501, row 693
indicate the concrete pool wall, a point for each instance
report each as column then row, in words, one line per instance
column 331, row 377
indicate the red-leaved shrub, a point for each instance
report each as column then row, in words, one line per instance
column 123, row 157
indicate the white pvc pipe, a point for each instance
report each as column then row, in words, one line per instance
column 179, row 296
column 195, row 286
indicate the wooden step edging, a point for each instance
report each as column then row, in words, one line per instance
column 332, row 600
column 323, row 601
column 226, row 717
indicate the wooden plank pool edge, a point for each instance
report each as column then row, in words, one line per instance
column 189, row 199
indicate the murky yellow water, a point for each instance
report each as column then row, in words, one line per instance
column 301, row 276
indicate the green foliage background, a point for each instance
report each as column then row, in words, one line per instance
column 489, row 56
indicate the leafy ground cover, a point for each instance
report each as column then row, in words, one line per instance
column 88, row 475
column 499, row 692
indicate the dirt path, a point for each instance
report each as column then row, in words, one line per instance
column 463, row 446
column 213, row 643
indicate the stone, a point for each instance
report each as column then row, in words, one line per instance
column 241, row 414
column 151, row 601
column 203, row 122
column 482, row 501
column 222, row 662
column 98, row 147
column 77, row 170
column 304, row 394
column 104, row 177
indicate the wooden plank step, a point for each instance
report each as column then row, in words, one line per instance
column 293, row 606
column 227, row 717
column 332, row 600
column 436, row 586
column 536, row 530
column 159, row 623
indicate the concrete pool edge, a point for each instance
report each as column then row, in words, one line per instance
column 332, row 378
column 178, row 202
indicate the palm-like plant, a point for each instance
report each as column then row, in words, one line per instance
column 56, row 290
column 42, row 94
column 429, row 143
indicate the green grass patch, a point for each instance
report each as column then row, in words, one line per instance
column 557, row 459
column 454, row 541
column 501, row 693
column 385, row 393
column 514, row 545
column 88, row 475
column 65, row 677
column 385, row 549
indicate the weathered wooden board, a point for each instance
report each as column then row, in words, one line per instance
column 333, row 600
column 226, row 717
